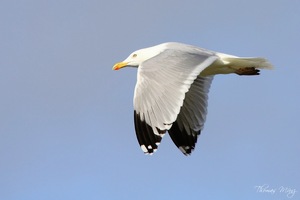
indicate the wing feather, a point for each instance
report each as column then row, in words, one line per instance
column 147, row 140
column 185, row 131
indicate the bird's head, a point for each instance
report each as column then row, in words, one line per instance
column 138, row 57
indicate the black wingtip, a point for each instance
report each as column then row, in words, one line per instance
column 147, row 139
column 184, row 141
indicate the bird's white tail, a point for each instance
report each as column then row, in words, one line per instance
column 227, row 64
column 237, row 63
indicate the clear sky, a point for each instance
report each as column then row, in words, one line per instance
column 66, row 119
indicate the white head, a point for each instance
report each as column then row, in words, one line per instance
column 138, row 57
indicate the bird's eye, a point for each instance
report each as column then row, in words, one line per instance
column 134, row 55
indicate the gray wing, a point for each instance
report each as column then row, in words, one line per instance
column 190, row 120
column 162, row 83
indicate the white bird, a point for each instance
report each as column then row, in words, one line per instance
column 171, row 92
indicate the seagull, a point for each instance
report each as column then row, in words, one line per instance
column 171, row 92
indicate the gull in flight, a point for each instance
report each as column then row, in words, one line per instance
column 171, row 92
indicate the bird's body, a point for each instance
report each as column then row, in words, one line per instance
column 172, row 88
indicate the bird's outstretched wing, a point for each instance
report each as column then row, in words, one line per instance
column 162, row 85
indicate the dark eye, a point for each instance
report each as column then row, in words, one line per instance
column 134, row 55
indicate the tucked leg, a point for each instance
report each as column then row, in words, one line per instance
column 247, row 71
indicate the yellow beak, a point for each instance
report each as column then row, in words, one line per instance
column 119, row 65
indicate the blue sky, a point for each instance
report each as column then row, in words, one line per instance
column 66, row 119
